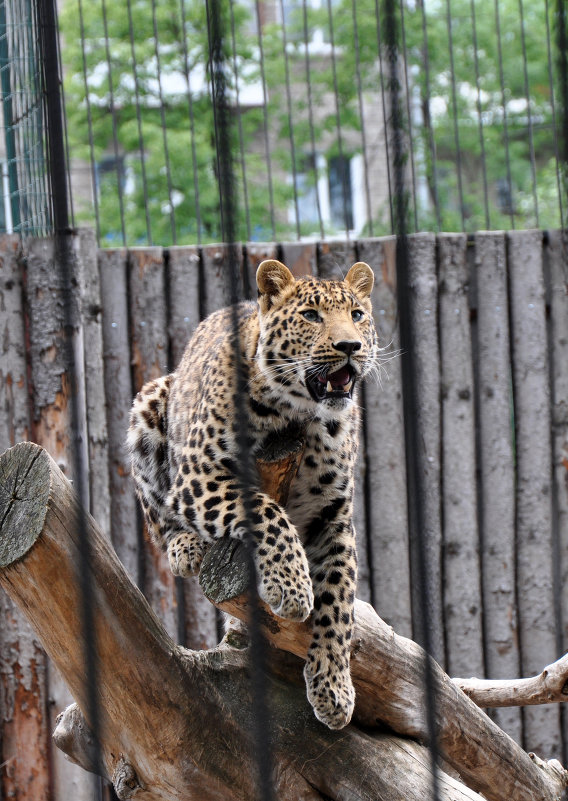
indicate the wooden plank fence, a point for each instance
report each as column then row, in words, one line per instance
column 490, row 323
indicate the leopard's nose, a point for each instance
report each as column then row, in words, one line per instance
column 347, row 346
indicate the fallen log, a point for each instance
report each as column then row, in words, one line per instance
column 177, row 724
column 387, row 672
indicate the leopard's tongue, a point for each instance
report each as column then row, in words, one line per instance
column 338, row 379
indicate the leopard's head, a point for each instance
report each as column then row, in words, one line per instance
column 317, row 337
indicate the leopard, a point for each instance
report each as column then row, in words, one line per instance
column 303, row 349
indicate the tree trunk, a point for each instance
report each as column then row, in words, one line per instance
column 173, row 721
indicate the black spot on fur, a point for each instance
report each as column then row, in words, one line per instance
column 261, row 410
column 332, row 427
column 327, row 515
column 196, row 487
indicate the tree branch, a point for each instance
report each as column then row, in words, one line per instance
column 549, row 687
column 176, row 724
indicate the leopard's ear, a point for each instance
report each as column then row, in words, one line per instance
column 360, row 279
column 272, row 277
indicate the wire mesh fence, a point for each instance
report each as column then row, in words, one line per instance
column 482, row 116
column 336, row 119
column 313, row 136
column 25, row 192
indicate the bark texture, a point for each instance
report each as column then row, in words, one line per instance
column 383, row 442
column 423, row 288
column 535, row 557
column 57, row 367
column 549, row 687
column 125, row 533
column 172, row 720
column 496, row 469
column 462, row 589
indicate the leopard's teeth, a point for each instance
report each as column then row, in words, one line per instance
column 347, row 387
column 329, row 387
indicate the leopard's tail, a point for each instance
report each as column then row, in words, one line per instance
column 147, row 443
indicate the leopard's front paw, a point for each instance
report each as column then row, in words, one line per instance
column 330, row 692
column 285, row 584
column 185, row 554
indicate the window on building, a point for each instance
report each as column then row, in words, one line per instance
column 340, row 192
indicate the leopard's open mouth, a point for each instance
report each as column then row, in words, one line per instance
column 339, row 384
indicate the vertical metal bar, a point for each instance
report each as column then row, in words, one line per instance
column 505, row 118
column 554, row 115
column 362, row 115
column 265, row 120
column 186, row 72
column 240, row 123
column 562, row 49
column 57, row 163
column 66, row 262
column 89, row 121
column 290, row 122
column 310, row 114
column 415, row 485
column 431, row 176
column 479, row 118
column 386, row 119
column 119, row 188
column 529, row 112
column 164, row 126
column 337, row 116
column 408, row 114
column 6, row 194
column 139, row 121
column 246, row 473
column 455, row 116
column 10, row 138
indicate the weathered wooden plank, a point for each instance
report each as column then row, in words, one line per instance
column 461, row 570
column 216, row 290
column 14, row 413
column 94, row 380
column 149, row 348
column 55, row 332
column 183, row 306
column 384, row 443
column 183, row 298
column 333, row 261
column 23, row 682
column 119, row 394
column 534, row 477
column 300, row 257
column 335, row 258
column 51, row 306
column 496, row 469
column 423, row 288
column 557, row 268
column 255, row 252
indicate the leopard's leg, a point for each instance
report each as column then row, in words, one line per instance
column 327, row 674
column 147, row 441
column 213, row 501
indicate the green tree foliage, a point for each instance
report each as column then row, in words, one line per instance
column 144, row 116
column 477, row 84
column 476, row 80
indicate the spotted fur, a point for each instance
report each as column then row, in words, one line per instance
column 304, row 348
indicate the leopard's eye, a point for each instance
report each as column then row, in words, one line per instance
column 357, row 315
column 311, row 316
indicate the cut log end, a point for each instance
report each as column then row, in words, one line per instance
column 24, row 492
